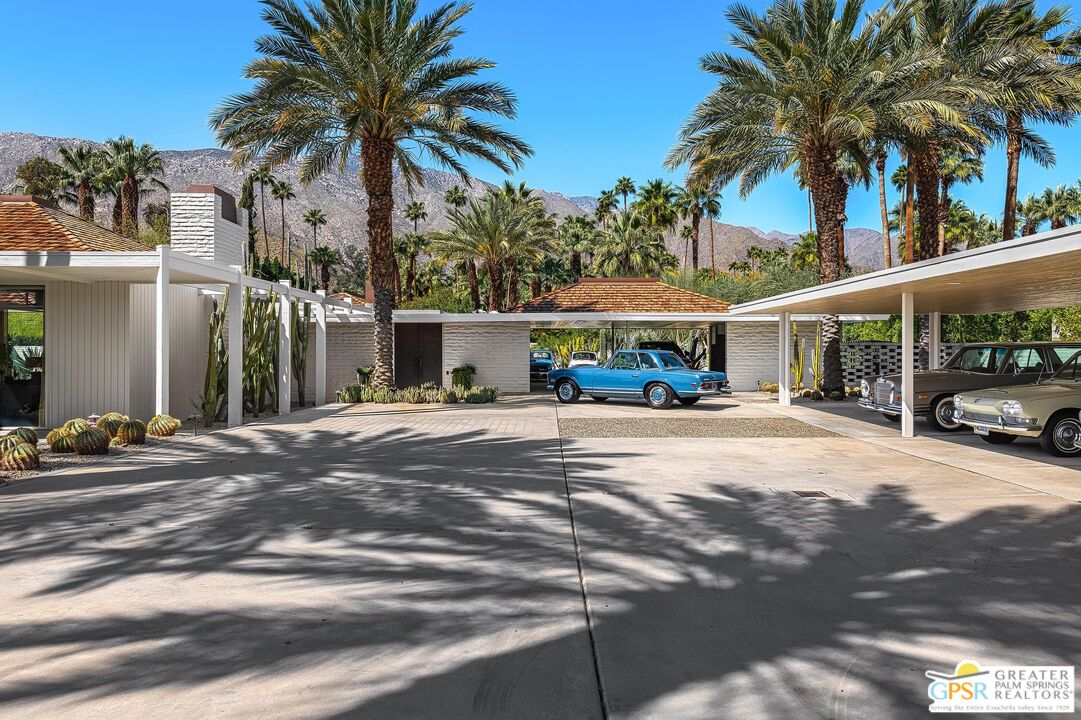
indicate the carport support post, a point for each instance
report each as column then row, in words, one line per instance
column 321, row 350
column 784, row 376
column 908, row 362
column 235, row 316
column 934, row 343
column 161, row 333
column 285, row 352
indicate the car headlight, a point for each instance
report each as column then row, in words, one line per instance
column 1011, row 408
column 865, row 388
column 958, row 400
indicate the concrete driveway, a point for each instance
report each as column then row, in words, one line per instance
column 420, row 562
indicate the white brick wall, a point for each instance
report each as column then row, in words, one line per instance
column 197, row 228
column 499, row 351
column 753, row 348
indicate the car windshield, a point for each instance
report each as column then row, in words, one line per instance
column 583, row 356
column 671, row 360
column 541, row 355
column 977, row 359
column 1069, row 372
column 1060, row 355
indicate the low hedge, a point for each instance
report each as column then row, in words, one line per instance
column 428, row 393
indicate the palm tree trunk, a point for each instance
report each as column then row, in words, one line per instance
column 576, row 264
column 474, row 285
column 712, row 250
column 910, row 183
column 829, row 194
column 262, row 202
column 411, row 277
column 377, row 176
column 324, row 271
column 496, row 293
column 534, row 288
column 887, row 243
column 1014, row 128
column 129, row 207
column 696, row 219
column 927, row 188
column 286, row 260
column 85, row 196
column 943, row 215
column 118, row 212
column 512, row 286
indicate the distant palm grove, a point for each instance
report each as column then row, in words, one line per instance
column 823, row 91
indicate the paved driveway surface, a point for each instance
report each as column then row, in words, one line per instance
column 421, row 563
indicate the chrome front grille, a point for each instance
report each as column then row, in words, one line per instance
column 884, row 392
column 983, row 417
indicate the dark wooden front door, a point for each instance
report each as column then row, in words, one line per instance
column 418, row 354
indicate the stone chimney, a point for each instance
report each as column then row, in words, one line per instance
column 205, row 222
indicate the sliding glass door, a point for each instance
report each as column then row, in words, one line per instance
column 22, row 357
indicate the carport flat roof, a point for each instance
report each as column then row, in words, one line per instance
column 1039, row 271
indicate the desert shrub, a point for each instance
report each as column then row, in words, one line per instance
column 462, row 376
column 427, row 393
column 817, row 395
column 837, row 395
column 350, row 393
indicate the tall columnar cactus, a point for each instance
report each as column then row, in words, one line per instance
column 26, row 433
column 23, row 456
column 260, row 352
column 212, row 403
column 76, row 426
column 816, row 361
column 132, row 432
column 301, row 324
column 799, row 361
column 92, row 441
column 63, row 444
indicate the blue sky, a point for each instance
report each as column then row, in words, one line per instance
column 603, row 86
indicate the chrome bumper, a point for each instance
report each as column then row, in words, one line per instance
column 997, row 425
column 711, row 391
column 870, row 404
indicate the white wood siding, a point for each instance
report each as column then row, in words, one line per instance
column 499, row 351
column 752, row 352
column 349, row 346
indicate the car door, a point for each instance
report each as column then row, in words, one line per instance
column 1024, row 366
column 621, row 375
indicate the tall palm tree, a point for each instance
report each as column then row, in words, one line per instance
column 325, row 258
column 1061, row 206
column 624, row 186
column 689, row 204
column 282, row 191
column 83, row 170
column 657, row 203
column 804, row 253
column 632, row 247
column 606, row 205
column 410, row 246
column 957, row 167
column 1033, row 214
column 578, row 235
column 132, row 167
column 415, row 211
column 315, row 218
column 377, row 77
column 805, row 94
column 685, row 234
column 541, row 232
column 265, row 178
column 455, row 197
column 1039, row 84
column 711, row 208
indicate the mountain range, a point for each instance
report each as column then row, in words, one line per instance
column 343, row 201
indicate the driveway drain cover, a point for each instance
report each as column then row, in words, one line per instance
column 811, row 493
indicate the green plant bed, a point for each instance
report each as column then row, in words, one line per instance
column 426, row 394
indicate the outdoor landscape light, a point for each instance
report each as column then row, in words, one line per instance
column 1012, row 408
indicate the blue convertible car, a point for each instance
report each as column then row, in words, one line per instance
column 658, row 376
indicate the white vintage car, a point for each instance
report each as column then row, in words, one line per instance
column 582, row 357
column 1048, row 410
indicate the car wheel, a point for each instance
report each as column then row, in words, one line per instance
column 891, row 417
column 687, row 401
column 941, row 415
column 997, row 438
column 1061, row 434
column 567, row 392
column 659, row 396
column 598, row 398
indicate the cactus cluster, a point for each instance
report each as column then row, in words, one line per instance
column 131, row 432
column 92, row 441
column 162, row 426
column 23, row 456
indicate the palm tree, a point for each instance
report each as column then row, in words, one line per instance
column 83, row 173
column 685, row 234
column 804, row 254
column 689, row 205
column 541, row 232
column 805, row 94
column 315, row 217
column 1033, row 214
column 493, row 230
column 415, row 211
column 578, row 235
column 373, row 76
column 606, row 205
column 325, row 258
column 1061, row 206
column 632, row 248
column 131, row 168
column 957, row 167
column 455, row 197
column 281, row 191
column 711, row 208
column 265, row 179
column 1039, row 85
column 624, row 186
column 657, row 204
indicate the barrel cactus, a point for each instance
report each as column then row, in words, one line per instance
column 76, row 426
column 9, row 441
column 53, row 434
column 132, row 432
column 23, row 456
column 110, row 416
column 109, row 427
column 162, row 426
column 63, row 444
column 92, row 441
column 26, row 433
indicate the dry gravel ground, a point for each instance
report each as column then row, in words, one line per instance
column 699, row 427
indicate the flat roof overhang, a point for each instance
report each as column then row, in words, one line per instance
column 601, row 320
column 1039, row 271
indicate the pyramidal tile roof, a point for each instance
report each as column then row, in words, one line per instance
column 31, row 224
column 622, row 295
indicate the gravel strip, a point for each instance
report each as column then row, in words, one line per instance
column 731, row 427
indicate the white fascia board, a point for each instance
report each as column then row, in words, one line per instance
column 1046, row 244
column 119, row 260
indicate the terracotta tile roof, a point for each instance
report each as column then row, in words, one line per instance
column 33, row 224
column 346, row 296
column 622, row 295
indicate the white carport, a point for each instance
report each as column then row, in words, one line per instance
column 1040, row 271
column 164, row 268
